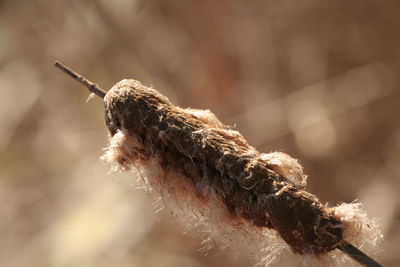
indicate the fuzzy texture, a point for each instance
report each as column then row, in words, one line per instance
column 216, row 182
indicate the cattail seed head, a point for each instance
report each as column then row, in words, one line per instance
column 215, row 181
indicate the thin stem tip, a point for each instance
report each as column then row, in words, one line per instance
column 91, row 86
column 358, row 255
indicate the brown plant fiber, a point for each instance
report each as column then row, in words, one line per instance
column 215, row 182
column 214, row 163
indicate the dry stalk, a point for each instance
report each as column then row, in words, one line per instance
column 219, row 181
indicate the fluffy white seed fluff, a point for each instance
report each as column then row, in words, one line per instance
column 211, row 219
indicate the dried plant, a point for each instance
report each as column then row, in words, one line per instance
column 216, row 182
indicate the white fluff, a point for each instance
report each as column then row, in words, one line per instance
column 210, row 218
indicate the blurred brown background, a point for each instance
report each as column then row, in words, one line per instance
column 319, row 80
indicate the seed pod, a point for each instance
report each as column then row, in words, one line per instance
column 193, row 159
column 215, row 181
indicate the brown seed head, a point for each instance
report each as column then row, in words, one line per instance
column 221, row 162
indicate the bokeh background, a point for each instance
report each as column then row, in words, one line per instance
column 319, row 80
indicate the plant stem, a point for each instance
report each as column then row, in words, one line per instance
column 357, row 255
column 94, row 88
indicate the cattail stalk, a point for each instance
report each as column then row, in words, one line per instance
column 218, row 182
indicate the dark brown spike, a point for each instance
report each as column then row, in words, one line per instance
column 344, row 246
column 94, row 88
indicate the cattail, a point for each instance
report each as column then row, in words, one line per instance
column 215, row 182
